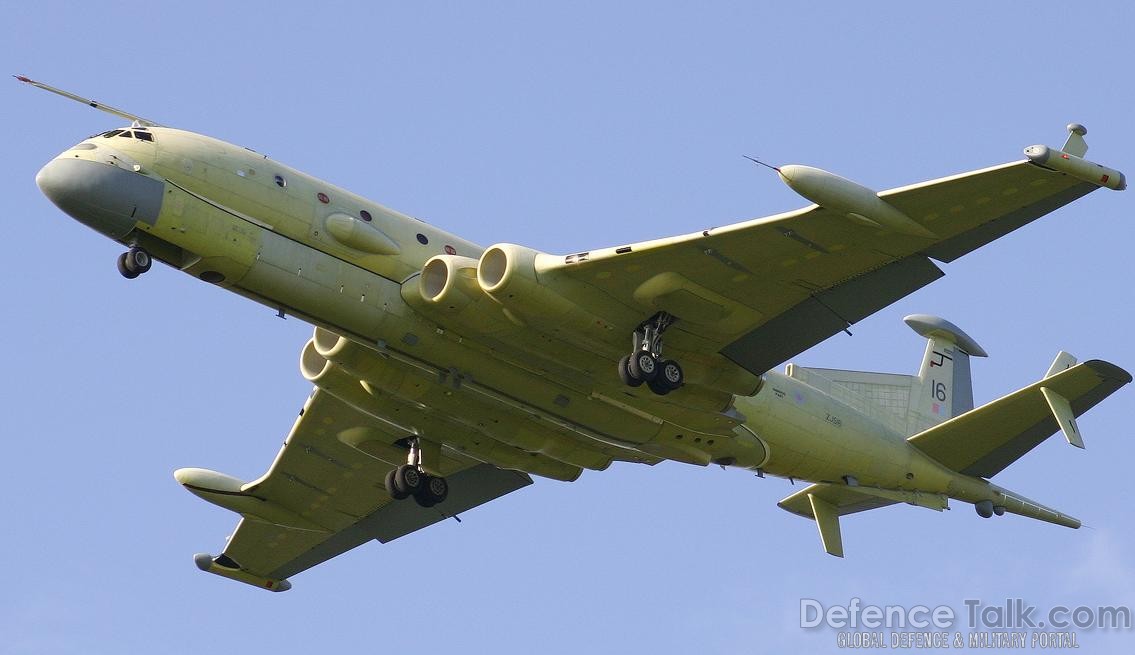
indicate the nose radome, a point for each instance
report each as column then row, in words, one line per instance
column 102, row 196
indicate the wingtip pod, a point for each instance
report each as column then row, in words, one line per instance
column 1077, row 167
column 221, row 566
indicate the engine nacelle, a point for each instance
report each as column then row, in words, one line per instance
column 447, row 292
column 507, row 272
column 450, row 282
column 358, row 362
column 510, row 275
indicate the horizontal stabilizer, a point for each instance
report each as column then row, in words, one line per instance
column 826, row 503
column 984, row 441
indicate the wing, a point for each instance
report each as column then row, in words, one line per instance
column 325, row 494
column 983, row 441
column 762, row 291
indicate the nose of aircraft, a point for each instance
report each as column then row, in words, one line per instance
column 103, row 196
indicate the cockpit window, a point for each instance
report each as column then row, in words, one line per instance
column 140, row 134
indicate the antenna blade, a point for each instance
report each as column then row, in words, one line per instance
column 87, row 101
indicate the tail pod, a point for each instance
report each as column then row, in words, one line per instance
column 943, row 388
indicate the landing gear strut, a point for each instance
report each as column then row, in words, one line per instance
column 410, row 479
column 134, row 262
column 645, row 363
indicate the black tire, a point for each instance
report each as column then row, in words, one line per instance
column 139, row 260
column 434, row 490
column 659, row 386
column 643, row 366
column 625, row 375
column 391, row 487
column 125, row 270
column 671, row 374
column 408, row 479
column 437, row 488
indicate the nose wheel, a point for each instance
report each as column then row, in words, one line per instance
column 134, row 262
column 411, row 480
column 645, row 363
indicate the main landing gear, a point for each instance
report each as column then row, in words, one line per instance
column 410, row 479
column 645, row 363
column 134, row 262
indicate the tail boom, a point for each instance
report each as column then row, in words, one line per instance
column 989, row 499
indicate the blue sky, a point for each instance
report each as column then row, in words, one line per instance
column 564, row 128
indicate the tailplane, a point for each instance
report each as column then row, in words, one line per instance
column 983, row 442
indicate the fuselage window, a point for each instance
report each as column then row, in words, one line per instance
column 366, row 216
column 422, row 239
column 281, row 182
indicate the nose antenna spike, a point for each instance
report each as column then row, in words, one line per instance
column 136, row 121
column 761, row 163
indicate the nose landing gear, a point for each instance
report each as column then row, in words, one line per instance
column 410, row 479
column 134, row 262
column 645, row 363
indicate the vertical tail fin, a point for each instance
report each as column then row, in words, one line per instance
column 943, row 388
